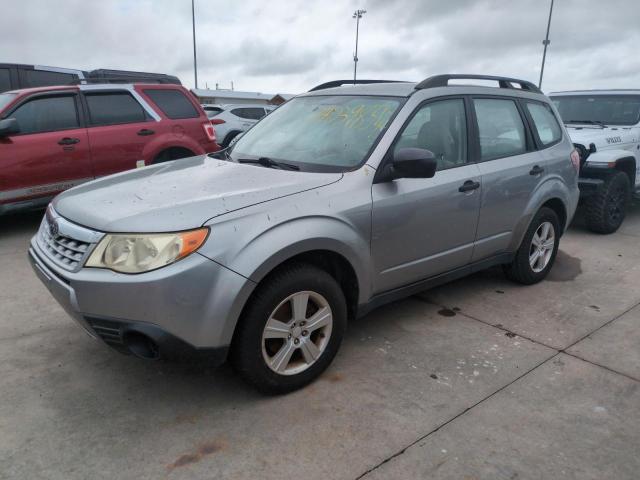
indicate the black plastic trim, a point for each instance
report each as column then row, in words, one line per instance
column 339, row 83
column 417, row 287
column 503, row 82
column 113, row 332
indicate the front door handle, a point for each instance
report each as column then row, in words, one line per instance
column 145, row 131
column 468, row 186
column 537, row 170
column 68, row 141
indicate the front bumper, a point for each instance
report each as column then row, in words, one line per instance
column 192, row 304
column 589, row 186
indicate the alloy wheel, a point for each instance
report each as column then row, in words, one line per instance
column 542, row 245
column 297, row 333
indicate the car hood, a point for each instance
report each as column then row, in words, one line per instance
column 608, row 137
column 179, row 195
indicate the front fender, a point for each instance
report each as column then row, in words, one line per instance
column 552, row 189
column 264, row 251
column 602, row 158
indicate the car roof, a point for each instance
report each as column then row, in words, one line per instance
column 96, row 86
column 394, row 89
column 615, row 91
column 406, row 89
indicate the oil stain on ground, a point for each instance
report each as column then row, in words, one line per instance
column 189, row 458
column 565, row 269
column 446, row 312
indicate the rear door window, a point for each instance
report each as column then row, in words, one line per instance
column 42, row 78
column 545, row 123
column 114, row 108
column 173, row 103
column 249, row 113
column 47, row 114
column 501, row 128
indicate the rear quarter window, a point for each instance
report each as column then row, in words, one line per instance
column 173, row 103
column 250, row 113
column 545, row 123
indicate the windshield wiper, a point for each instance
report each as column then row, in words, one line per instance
column 269, row 163
column 588, row 122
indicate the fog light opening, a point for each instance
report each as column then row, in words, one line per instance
column 141, row 346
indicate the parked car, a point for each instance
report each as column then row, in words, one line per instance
column 341, row 200
column 14, row 76
column 232, row 120
column 605, row 127
column 53, row 138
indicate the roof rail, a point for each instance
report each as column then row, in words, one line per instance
column 503, row 82
column 339, row 83
column 120, row 80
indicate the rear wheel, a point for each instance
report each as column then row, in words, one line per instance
column 174, row 153
column 607, row 208
column 290, row 330
column 538, row 249
column 228, row 140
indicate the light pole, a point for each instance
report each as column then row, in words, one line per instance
column 193, row 24
column 546, row 43
column 357, row 15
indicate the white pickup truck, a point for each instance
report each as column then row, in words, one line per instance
column 604, row 125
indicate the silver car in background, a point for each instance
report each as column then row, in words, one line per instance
column 341, row 200
column 232, row 120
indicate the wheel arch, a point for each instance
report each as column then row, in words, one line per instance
column 553, row 194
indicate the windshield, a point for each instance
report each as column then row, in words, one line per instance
column 605, row 109
column 321, row 133
column 5, row 99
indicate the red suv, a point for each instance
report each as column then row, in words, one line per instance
column 53, row 138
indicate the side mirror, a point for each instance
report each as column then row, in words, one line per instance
column 8, row 126
column 414, row 163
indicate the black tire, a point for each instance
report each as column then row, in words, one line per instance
column 229, row 138
column 520, row 270
column 607, row 208
column 172, row 154
column 246, row 354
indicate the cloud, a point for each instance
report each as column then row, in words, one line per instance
column 290, row 46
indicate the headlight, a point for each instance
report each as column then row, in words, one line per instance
column 137, row 253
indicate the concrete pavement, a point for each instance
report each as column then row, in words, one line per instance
column 478, row 379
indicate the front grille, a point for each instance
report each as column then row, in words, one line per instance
column 65, row 251
column 64, row 243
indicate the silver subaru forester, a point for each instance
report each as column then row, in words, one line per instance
column 344, row 198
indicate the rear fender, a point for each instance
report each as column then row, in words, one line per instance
column 554, row 188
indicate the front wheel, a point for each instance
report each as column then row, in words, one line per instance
column 291, row 329
column 538, row 249
column 607, row 208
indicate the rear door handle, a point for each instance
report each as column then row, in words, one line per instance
column 468, row 186
column 537, row 170
column 145, row 131
column 68, row 141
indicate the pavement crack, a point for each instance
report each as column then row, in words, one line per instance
column 595, row 364
column 423, row 437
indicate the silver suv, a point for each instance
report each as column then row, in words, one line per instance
column 343, row 199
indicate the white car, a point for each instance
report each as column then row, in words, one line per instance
column 604, row 125
column 232, row 120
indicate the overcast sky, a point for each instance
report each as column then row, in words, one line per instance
column 289, row 46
